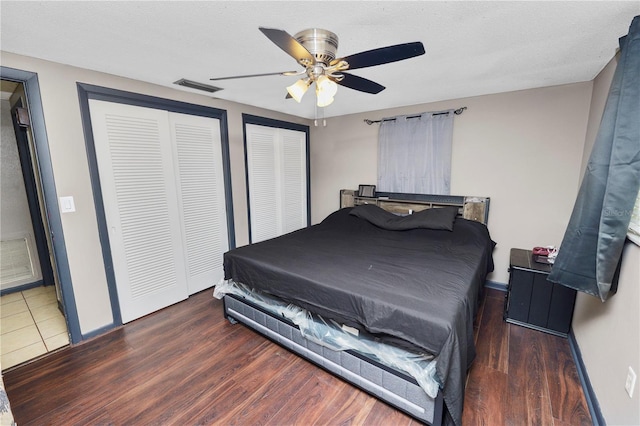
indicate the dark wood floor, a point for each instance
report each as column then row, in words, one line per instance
column 186, row 365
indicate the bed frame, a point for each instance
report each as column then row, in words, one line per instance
column 389, row 385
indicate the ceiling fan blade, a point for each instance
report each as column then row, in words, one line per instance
column 382, row 55
column 287, row 73
column 361, row 84
column 284, row 41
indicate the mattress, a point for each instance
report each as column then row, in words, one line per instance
column 418, row 286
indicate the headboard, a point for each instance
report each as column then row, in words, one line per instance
column 469, row 207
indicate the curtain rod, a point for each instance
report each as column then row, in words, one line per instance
column 456, row 112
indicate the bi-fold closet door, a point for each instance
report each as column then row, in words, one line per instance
column 277, row 180
column 162, row 184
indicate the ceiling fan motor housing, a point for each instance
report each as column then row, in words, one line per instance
column 322, row 44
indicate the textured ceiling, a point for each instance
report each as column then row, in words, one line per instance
column 473, row 48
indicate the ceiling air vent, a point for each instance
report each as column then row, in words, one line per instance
column 195, row 85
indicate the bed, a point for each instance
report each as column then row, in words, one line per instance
column 384, row 300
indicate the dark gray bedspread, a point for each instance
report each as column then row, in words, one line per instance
column 418, row 285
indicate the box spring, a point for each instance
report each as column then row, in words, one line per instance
column 389, row 385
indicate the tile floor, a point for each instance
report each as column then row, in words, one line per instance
column 31, row 325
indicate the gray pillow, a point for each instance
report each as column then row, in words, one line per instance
column 434, row 218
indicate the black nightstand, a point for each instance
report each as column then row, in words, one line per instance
column 534, row 302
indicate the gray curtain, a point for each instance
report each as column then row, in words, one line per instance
column 592, row 246
column 414, row 154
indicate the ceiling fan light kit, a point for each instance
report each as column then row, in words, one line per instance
column 299, row 88
column 315, row 50
column 325, row 91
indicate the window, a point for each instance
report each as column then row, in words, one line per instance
column 634, row 225
column 414, row 153
column 277, row 161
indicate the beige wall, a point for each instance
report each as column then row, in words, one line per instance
column 523, row 149
column 608, row 334
column 71, row 172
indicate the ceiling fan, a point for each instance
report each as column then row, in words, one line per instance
column 315, row 49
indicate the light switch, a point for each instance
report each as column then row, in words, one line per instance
column 67, row 205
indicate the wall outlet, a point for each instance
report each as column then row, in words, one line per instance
column 631, row 382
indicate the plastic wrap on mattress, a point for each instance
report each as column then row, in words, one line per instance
column 328, row 333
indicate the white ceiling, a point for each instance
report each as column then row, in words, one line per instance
column 473, row 48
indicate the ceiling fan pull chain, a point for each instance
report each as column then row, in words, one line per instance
column 319, row 115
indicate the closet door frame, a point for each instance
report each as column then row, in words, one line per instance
column 270, row 122
column 88, row 91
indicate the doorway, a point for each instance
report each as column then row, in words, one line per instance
column 32, row 322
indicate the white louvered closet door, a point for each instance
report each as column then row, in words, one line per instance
column 277, row 175
column 163, row 191
column 294, row 180
column 263, row 186
column 134, row 155
column 201, row 196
